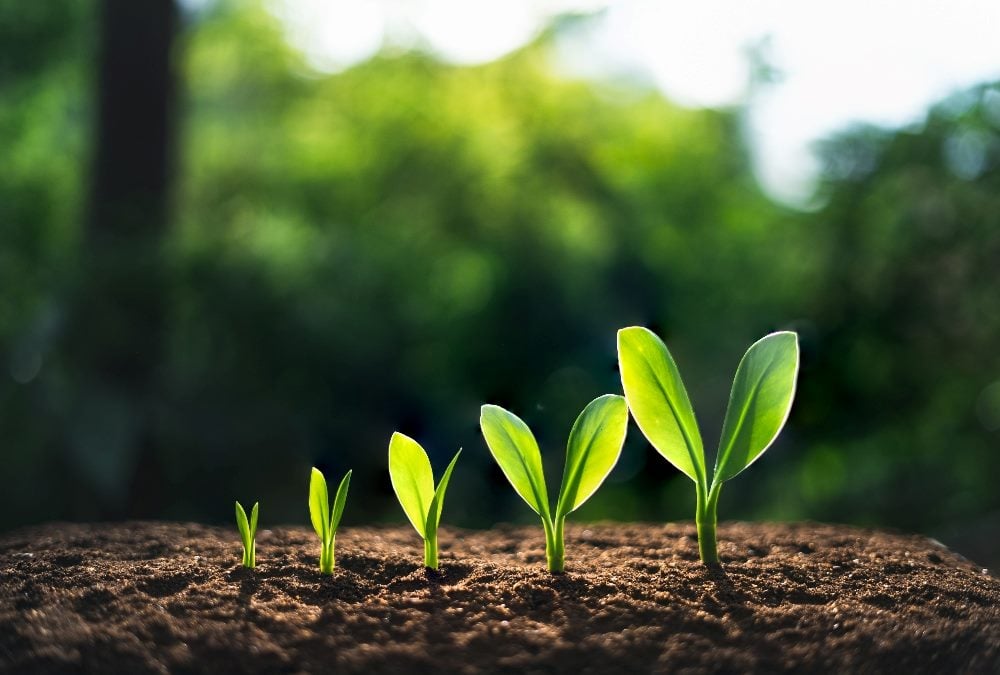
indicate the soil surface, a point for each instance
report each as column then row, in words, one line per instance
column 161, row 597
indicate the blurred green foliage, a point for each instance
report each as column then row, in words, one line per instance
column 389, row 247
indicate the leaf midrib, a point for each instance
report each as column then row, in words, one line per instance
column 575, row 476
column 698, row 468
column 745, row 408
column 542, row 502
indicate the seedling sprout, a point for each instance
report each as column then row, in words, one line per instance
column 761, row 399
column 594, row 445
column 413, row 482
column 324, row 521
column 248, row 533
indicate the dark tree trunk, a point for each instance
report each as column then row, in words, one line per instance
column 116, row 325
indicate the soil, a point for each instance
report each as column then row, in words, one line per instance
column 163, row 597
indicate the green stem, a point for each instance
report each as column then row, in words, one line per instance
column 326, row 557
column 705, row 520
column 555, row 548
column 431, row 552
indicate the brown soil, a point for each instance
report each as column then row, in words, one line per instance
column 154, row 597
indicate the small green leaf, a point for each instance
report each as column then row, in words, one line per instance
column 514, row 448
column 437, row 502
column 338, row 503
column 253, row 519
column 412, row 479
column 243, row 526
column 759, row 404
column 594, row 445
column 319, row 503
column 658, row 400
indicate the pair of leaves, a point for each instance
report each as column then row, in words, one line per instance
column 248, row 529
column 323, row 521
column 593, row 448
column 759, row 404
column 413, row 482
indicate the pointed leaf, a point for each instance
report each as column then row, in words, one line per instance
column 437, row 502
column 514, row 448
column 338, row 503
column 594, row 445
column 658, row 400
column 759, row 404
column 319, row 503
column 241, row 524
column 411, row 477
column 253, row 519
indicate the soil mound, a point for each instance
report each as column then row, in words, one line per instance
column 164, row 597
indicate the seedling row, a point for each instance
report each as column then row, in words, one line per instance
column 759, row 404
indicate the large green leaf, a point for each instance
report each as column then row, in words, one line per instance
column 338, row 502
column 658, row 400
column 594, row 445
column 514, row 448
column 759, row 404
column 412, row 479
column 319, row 503
column 437, row 502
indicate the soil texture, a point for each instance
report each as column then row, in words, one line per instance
column 167, row 597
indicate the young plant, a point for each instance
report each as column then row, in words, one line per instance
column 759, row 404
column 323, row 521
column 413, row 482
column 595, row 442
column 248, row 533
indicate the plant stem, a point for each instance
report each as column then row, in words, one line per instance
column 326, row 557
column 705, row 520
column 431, row 552
column 555, row 549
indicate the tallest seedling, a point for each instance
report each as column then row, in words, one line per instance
column 759, row 404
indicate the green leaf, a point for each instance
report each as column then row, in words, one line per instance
column 437, row 502
column 253, row 519
column 759, row 404
column 243, row 526
column 338, row 503
column 658, row 400
column 514, row 448
column 319, row 503
column 412, row 479
column 594, row 445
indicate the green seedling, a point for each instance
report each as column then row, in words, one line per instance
column 323, row 521
column 413, row 482
column 248, row 533
column 594, row 445
column 759, row 404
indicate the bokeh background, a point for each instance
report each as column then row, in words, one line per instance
column 227, row 255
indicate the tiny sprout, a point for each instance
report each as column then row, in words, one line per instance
column 413, row 482
column 594, row 445
column 248, row 532
column 759, row 404
column 323, row 521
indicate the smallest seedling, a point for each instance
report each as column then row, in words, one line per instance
column 324, row 521
column 248, row 533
